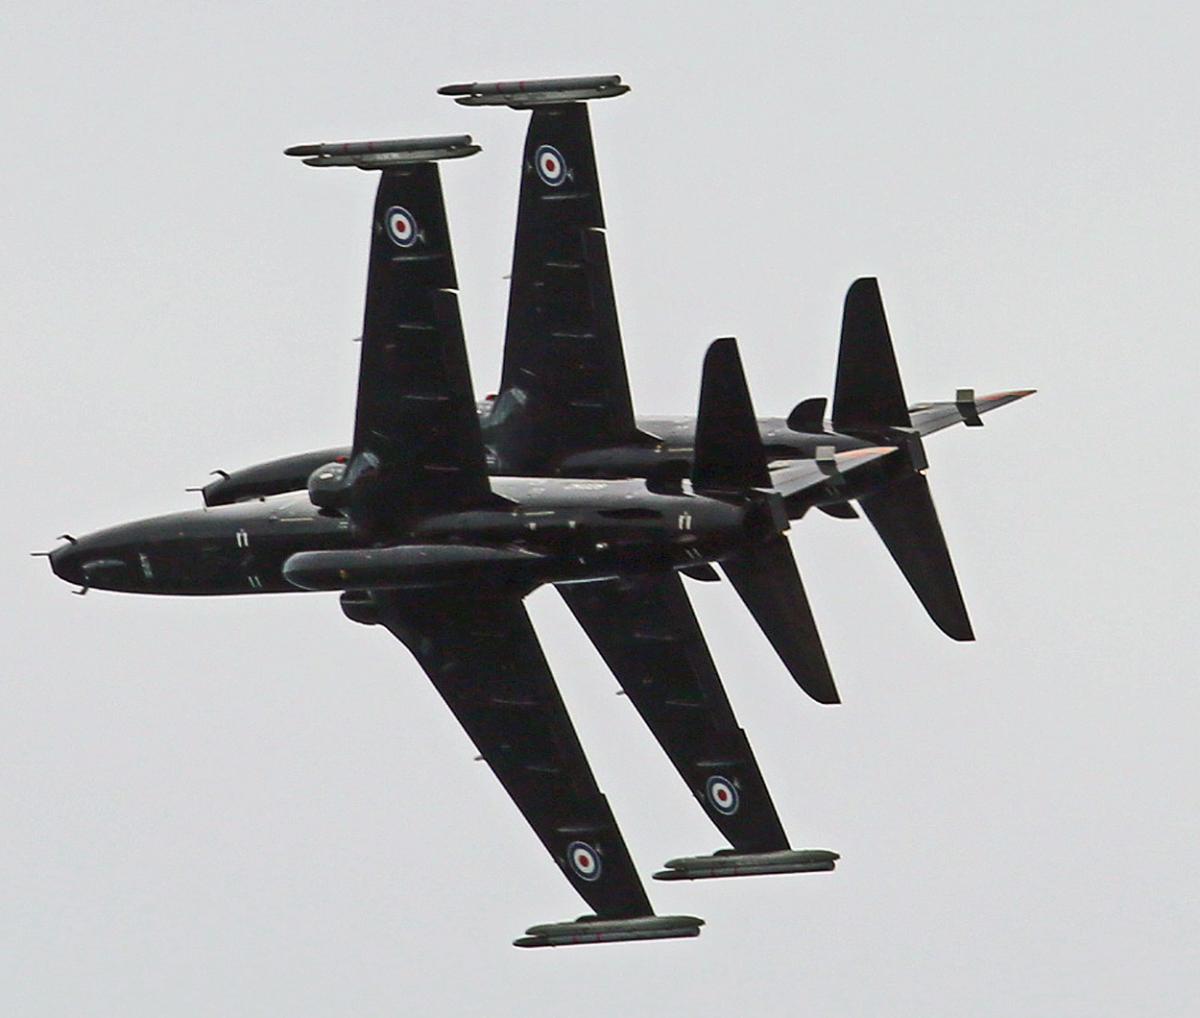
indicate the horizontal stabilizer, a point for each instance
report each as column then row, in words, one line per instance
column 748, row 864
column 904, row 516
column 813, row 474
column 606, row 931
column 766, row 578
column 930, row 417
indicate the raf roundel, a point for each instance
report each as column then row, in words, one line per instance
column 584, row 861
column 722, row 795
column 401, row 226
column 551, row 166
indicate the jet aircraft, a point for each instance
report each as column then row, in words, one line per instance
column 419, row 539
column 564, row 408
column 612, row 509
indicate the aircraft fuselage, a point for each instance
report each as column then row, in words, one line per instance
column 568, row 530
column 670, row 458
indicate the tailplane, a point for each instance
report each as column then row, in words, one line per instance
column 869, row 402
column 904, row 516
column 729, row 454
column 730, row 460
column 767, row 580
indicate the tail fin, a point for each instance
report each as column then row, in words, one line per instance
column 868, row 394
column 868, row 402
column 729, row 458
column 729, row 454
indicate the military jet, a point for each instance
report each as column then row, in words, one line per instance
column 564, row 408
column 417, row 537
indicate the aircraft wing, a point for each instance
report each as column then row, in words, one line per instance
column 483, row 657
column 646, row 631
column 416, row 430
column 564, row 366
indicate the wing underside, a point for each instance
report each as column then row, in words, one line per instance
column 647, row 633
column 484, row 658
column 564, row 367
column 416, row 427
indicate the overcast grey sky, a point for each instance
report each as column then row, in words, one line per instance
column 252, row 807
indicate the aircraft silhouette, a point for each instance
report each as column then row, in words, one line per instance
column 438, row 519
column 564, row 408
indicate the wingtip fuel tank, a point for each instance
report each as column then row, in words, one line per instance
column 748, row 864
column 591, row 930
column 380, row 155
column 522, row 95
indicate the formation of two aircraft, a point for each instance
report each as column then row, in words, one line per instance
column 443, row 514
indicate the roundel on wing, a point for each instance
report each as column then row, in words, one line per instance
column 722, row 795
column 550, row 165
column 584, row 861
column 401, row 226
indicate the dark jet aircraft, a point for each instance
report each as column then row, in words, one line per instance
column 564, row 408
column 417, row 537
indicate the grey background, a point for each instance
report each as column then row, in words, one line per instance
column 252, row 807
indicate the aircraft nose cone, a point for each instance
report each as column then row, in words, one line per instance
column 90, row 564
column 67, row 563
